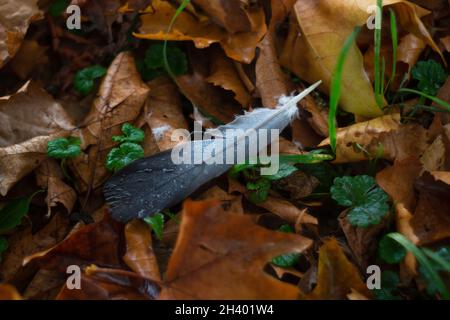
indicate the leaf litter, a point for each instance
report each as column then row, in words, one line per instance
column 78, row 106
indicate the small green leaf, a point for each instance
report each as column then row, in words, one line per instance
column 157, row 224
column 286, row 260
column 284, row 171
column 391, row 251
column 154, row 59
column 259, row 190
column 12, row 213
column 431, row 76
column 367, row 201
column 122, row 156
column 130, row 134
column 440, row 263
column 389, row 283
column 58, row 7
column 84, row 79
column 63, row 148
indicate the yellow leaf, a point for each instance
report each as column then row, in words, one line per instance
column 313, row 45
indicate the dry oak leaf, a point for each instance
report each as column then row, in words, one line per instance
column 383, row 136
column 164, row 112
column 238, row 46
column 222, row 256
column 337, row 276
column 15, row 18
column 49, row 176
column 139, row 255
column 314, row 42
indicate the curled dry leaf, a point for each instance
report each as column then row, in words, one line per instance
column 30, row 113
column 18, row 160
column 163, row 112
column 211, row 100
column 222, row 256
column 315, row 39
column 224, row 74
column 140, row 256
column 49, row 176
column 30, row 118
column 337, row 276
column 362, row 241
column 239, row 46
column 16, row 17
column 287, row 211
column 382, row 137
column 120, row 100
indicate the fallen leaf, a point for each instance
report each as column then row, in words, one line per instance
column 398, row 181
column 16, row 18
column 110, row 284
column 121, row 97
column 224, row 74
column 362, row 241
column 222, row 256
column 337, row 276
column 30, row 113
column 163, row 112
column 94, row 243
column 18, row 160
column 231, row 15
column 211, row 100
column 271, row 81
column 313, row 45
column 49, row 176
column 8, row 292
column 431, row 219
column 239, row 46
column 140, row 256
column 382, row 137
column 24, row 243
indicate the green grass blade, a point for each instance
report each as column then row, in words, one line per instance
column 437, row 258
column 336, row 86
column 394, row 36
column 180, row 9
column 436, row 100
column 424, row 262
column 379, row 90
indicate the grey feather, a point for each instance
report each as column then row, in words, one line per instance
column 149, row 185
